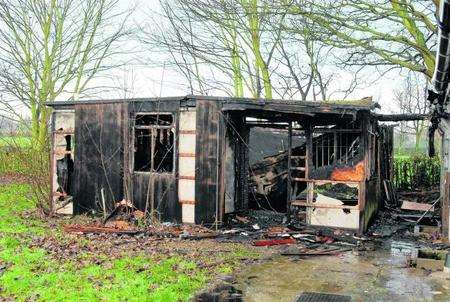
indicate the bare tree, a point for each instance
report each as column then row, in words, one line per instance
column 213, row 41
column 48, row 48
column 412, row 98
column 242, row 47
column 303, row 56
column 376, row 33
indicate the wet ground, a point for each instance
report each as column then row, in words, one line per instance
column 368, row 276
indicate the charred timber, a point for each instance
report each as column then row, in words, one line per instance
column 401, row 117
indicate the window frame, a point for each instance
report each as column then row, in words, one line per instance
column 152, row 128
column 335, row 132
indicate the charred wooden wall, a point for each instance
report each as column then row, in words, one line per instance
column 207, row 160
column 104, row 154
column 371, row 203
column 98, row 155
column 386, row 152
column 241, row 136
column 379, row 153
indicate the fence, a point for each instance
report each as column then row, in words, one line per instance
column 416, row 172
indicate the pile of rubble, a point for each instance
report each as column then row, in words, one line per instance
column 264, row 228
column 259, row 228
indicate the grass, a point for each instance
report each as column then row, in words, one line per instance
column 32, row 273
column 12, row 150
column 18, row 157
column 10, row 162
column 20, row 141
column 33, row 276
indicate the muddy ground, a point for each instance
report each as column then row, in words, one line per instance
column 375, row 268
column 368, row 276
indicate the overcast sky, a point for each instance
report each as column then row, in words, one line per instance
column 141, row 79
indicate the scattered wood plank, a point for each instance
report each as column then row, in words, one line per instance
column 418, row 193
column 78, row 229
column 242, row 219
column 416, row 206
column 329, row 252
column 272, row 242
column 401, row 117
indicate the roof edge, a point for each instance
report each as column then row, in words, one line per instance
column 364, row 103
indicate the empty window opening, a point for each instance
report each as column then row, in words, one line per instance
column 154, row 143
column 335, row 147
column 142, row 150
column 163, row 150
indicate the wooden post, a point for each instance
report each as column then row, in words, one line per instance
column 445, row 205
column 102, row 192
column 223, row 141
column 289, row 176
column 335, row 148
column 219, row 178
column 309, row 151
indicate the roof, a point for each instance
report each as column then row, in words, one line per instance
column 233, row 103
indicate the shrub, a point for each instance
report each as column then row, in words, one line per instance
column 416, row 172
column 17, row 156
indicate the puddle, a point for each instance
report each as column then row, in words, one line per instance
column 374, row 276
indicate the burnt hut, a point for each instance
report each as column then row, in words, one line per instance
column 192, row 159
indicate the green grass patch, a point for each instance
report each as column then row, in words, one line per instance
column 401, row 157
column 32, row 274
column 11, row 161
column 19, row 141
column 15, row 200
column 13, row 151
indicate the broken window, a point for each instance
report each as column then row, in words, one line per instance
column 154, row 120
column 154, row 143
column 347, row 146
column 323, row 148
column 335, row 146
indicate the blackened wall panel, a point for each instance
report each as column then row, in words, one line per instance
column 140, row 189
column 162, row 106
column 164, row 189
column 167, row 205
column 372, row 198
column 98, row 155
column 206, row 161
column 242, row 134
column 386, row 139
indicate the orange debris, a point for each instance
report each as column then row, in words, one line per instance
column 355, row 173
